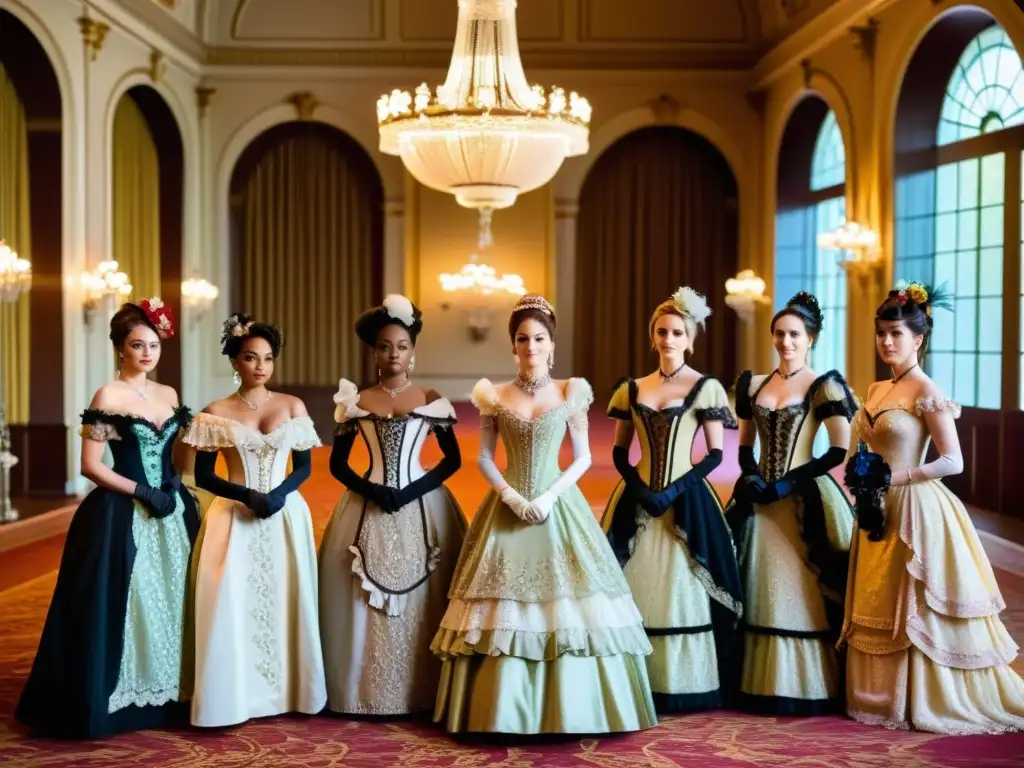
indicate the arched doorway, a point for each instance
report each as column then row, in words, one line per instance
column 147, row 218
column 31, row 332
column 811, row 194
column 659, row 209
column 307, row 241
column 958, row 159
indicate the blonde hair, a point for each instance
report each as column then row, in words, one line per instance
column 670, row 307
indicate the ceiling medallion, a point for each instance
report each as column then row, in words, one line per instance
column 485, row 136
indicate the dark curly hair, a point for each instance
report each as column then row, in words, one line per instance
column 804, row 306
column 127, row 319
column 899, row 305
column 369, row 324
column 231, row 341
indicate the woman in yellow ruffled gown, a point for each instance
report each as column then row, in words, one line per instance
column 926, row 647
column 792, row 524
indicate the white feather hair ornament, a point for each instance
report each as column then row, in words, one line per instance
column 399, row 308
column 691, row 303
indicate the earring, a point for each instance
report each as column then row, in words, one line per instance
column 551, row 360
column 237, row 378
column 379, row 377
column 412, row 363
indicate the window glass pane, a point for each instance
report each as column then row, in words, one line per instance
column 993, row 169
column 945, row 232
column 991, row 226
column 940, row 367
column 991, row 272
column 990, row 381
column 964, row 378
column 966, row 325
column 968, row 184
column 966, row 273
column 945, row 270
column 990, row 336
column 942, row 332
column 946, row 188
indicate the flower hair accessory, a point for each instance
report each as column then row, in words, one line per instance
column 160, row 315
column 921, row 295
column 400, row 308
column 532, row 301
column 234, row 326
column 691, row 303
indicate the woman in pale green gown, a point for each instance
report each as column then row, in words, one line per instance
column 541, row 634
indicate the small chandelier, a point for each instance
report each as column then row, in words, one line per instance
column 197, row 294
column 860, row 241
column 744, row 293
column 486, row 136
column 105, row 281
column 15, row 274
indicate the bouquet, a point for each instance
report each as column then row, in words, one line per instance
column 868, row 477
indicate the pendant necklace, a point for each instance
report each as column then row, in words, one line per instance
column 670, row 376
column 531, row 384
column 789, row 375
column 397, row 390
column 895, row 379
column 140, row 392
column 253, row 406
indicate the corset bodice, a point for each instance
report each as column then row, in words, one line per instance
column 786, row 438
column 395, row 445
column 897, row 433
column 140, row 449
column 532, row 447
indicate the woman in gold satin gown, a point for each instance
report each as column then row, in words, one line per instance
column 665, row 522
column 541, row 634
column 926, row 647
column 792, row 524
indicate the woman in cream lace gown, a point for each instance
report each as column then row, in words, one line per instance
column 665, row 521
column 792, row 524
column 256, row 629
column 390, row 548
column 926, row 647
column 541, row 634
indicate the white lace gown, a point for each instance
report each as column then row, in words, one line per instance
column 257, row 633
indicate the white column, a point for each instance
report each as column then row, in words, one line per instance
column 565, row 284
column 394, row 246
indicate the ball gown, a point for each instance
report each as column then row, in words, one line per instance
column 794, row 554
column 926, row 647
column 113, row 655
column 384, row 575
column 681, row 565
column 257, row 635
column 541, row 634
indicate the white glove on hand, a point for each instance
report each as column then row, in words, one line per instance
column 522, row 508
column 543, row 505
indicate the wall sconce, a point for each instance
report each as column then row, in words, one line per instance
column 105, row 281
column 15, row 279
column 744, row 293
column 860, row 242
column 198, row 294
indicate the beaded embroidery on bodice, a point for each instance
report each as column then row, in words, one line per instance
column 532, row 446
column 777, row 430
column 898, row 432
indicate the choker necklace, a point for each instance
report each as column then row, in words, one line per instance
column 789, row 375
column 140, row 392
column 895, row 379
column 670, row 376
column 252, row 406
column 531, row 384
column 397, row 390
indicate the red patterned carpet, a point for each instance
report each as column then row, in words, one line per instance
column 711, row 741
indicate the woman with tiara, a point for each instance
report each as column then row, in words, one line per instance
column 541, row 634
column 926, row 647
column 665, row 521
column 112, row 654
column 390, row 548
column 256, row 628
column 792, row 524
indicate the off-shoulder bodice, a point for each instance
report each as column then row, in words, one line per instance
column 141, row 450
column 897, row 431
column 532, row 445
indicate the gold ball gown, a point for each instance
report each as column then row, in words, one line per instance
column 541, row 634
column 681, row 564
column 384, row 573
column 793, row 553
column 926, row 647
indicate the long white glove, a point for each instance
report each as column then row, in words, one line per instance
column 485, row 460
column 580, row 436
column 522, row 508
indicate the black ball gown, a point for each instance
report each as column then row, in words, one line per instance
column 113, row 653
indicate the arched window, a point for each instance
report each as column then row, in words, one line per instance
column 951, row 211
column 812, row 200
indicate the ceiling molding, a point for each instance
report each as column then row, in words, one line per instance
column 144, row 20
column 439, row 58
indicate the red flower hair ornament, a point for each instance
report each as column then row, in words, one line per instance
column 159, row 315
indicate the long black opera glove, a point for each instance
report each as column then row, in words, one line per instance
column 666, row 497
column 784, row 486
column 750, row 482
column 159, row 502
column 748, row 464
column 384, row 497
column 637, row 488
column 448, row 465
column 208, row 480
column 302, row 467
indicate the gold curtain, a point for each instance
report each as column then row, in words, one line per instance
column 657, row 211
column 307, row 239
column 14, row 229
column 136, row 200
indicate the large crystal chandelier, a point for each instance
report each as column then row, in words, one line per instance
column 486, row 136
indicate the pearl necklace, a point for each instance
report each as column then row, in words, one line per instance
column 253, row 406
column 531, row 384
column 397, row 390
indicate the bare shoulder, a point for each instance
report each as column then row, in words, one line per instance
column 431, row 394
column 219, row 407
column 294, row 404
column 165, row 393
column 104, row 398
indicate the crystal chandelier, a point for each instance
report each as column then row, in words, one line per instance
column 486, row 136
column 15, row 274
column 860, row 241
column 198, row 294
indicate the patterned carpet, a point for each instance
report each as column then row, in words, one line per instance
column 711, row 741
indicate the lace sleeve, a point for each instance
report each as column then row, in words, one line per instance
column 935, row 404
column 713, row 405
column 580, row 396
column 303, row 434
column 209, row 433
column 100, row 431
